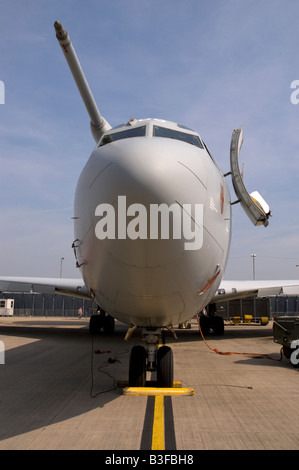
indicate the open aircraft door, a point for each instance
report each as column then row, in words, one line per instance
column 253, row 204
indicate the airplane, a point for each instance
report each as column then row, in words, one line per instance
column 152, row 230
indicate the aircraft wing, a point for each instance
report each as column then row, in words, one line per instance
column 231, row 290
column 228, row 290
column 72, row 287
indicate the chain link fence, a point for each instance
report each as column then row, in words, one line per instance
column 48, row 305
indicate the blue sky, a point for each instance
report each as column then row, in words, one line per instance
column 212, row 65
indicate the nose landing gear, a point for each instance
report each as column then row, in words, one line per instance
column 153, row 359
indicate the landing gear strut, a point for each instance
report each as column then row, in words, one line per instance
column 152, row 359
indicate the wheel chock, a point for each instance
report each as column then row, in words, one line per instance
column 154, row 391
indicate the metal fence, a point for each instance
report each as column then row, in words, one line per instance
column 27, row 304
column 48, row 305
column 284, row 305
column 260, row 307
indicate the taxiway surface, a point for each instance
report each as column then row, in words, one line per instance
column 59, row 390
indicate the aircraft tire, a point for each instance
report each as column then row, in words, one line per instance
column 137, row 367
column 95, row 324
column 108, row 324
column 204, row 324
column 287, row 351
column 165, row 367
column 218, row 326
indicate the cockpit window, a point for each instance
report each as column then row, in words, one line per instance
column 178, row 135
column 125, row 134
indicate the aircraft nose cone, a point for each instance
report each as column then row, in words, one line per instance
column 133, row 187
column 159, row 171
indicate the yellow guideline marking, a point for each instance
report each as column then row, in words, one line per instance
column 158, row 425
column 156, row 391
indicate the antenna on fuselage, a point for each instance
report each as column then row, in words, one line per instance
column 98, row 124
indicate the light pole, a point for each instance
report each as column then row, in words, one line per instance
column 61, row 266
column 253, row 265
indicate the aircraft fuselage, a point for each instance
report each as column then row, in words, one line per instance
column 152, row 223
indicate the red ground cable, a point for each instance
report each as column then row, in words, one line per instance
column 223, row 353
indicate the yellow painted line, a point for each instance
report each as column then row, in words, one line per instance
column 158, row 442
column 156, row 391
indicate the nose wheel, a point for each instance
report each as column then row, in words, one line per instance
column 165, row 367
column 137, row 367
column 152, row 359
